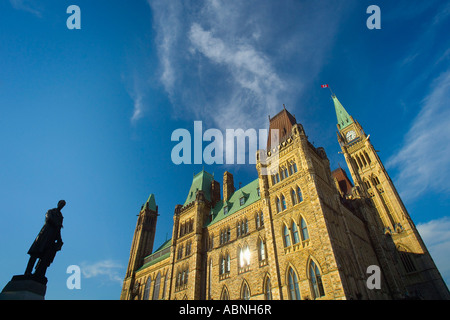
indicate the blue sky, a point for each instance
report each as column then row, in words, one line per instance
column 87, row 115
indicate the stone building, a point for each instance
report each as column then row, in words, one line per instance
column 298, row 231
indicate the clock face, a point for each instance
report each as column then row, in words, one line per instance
column 351, row 135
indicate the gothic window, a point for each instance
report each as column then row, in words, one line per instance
column 147, row 289
column 299, row 195
column 316, row 280
column 295, row 236
column 363, row 160
column 294, row 166
column 282, row 174
column 165, row 286
column 277, row 201
column 286, row 173
column 245, row 295
column 290, row 169
column 156, row 288
column 209, row 279
column 359, row 161
column 188, row 248
column 180, row 252
column 294, row 291
column 287, row 238
column 261, row 250
column 407, row 261
column 224, row 295
column 293, row 197
column 304, row 227
column 244, row 257
column 283, row 202
column 268, row 289
column 367, row 157
column 277, row 176
column 257, row 221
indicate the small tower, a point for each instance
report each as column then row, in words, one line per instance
column 142, row 245
column 372, row 181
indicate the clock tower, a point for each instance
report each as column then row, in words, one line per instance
column 372, row 181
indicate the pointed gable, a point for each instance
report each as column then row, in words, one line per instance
column 283, row 122
column 201, row 181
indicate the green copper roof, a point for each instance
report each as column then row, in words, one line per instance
column 343, row 118
column 249, row 193
column 160, row 254
column 201, row 181
column 151, row 203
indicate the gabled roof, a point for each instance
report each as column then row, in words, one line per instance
column 250, row 194
column 283, row 122
column 150, row 203
column 201, row 181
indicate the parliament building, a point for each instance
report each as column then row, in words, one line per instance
column 299, row 231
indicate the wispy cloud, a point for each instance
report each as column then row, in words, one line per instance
column 26, row 5
column 228, row 58
column 423, row 160
column 436, row 235
column 106, row 269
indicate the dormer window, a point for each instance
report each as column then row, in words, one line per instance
column 242, row 201
column 225, row 210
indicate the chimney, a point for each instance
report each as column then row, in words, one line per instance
column 215, row 192
column 228, row 185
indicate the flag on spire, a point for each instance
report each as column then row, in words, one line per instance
column 324, row 86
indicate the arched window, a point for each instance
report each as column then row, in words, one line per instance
column 147, row 289
column 268, row 289
column 245, row 294
column 221, row 265
column 295, row 236
column 367, row 157
column 283, row 202
column 293, row 197
column 294, row 165
column 209, row 278
column 287, row 238
column 305, row 234
column 156, row 288
column 224, row 295
column 299, row 195
column 277, row 201
column 244, row 256
column 294, row 291
column 165, row 286
column 261, row 250
column 316, row 280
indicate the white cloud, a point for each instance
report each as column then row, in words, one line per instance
column 436, row 235
column 240, row 61
column 26, row 5
column 108, row 269
column 423, row 160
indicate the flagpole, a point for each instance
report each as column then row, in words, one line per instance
column 332, row 94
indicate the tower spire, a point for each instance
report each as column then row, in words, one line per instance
column 343, row 118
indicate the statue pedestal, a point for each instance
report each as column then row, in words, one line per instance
column 25, row 287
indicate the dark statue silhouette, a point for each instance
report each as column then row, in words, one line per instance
column 47, row 243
